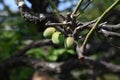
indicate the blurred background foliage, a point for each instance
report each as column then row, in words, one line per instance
column 15, row 33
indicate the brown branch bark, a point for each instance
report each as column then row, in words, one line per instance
column 64, row 66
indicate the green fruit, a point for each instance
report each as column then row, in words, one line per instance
column 57, row 38
column 69, row 42
column 48, row 32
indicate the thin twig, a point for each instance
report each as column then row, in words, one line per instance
column 55, row 11
column 98, row 21
column 83, row 26
column 85, row 7
column 57, row 24
column 77, row 7
column 110, row 33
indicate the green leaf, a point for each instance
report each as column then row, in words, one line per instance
column 70, row 51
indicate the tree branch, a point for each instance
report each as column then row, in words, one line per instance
column 63, row 67
column 30, row 16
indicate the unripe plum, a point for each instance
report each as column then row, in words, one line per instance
column 69, row 42
column 57, row 38
column 48, row 32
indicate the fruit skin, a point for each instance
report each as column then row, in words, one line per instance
column 69, row 42
column 57, row 38
column 48, row 32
